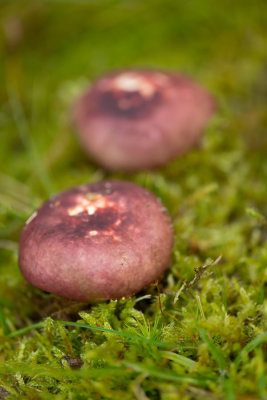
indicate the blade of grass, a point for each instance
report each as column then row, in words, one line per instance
column 98, row 373
column 122, row 334
column 228, row 388
column 23, row 129
column 249, row 347
column 169, row 376
column 214, row 350
column 59, row 373
column 14, row 205
column 3, row 322
column 261, row 373
column 9, row 245
column 177, row 358
column 6, row 303
column 98, row 329
column 15, row 189
column 20, row 332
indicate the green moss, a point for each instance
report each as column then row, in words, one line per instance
column 210, row 343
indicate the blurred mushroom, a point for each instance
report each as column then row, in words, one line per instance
column 135, row 119
column 97, row 241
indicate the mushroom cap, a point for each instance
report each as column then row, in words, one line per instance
column 97, row 241
column 136, row 119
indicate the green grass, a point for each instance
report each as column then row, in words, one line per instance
column 208, row 340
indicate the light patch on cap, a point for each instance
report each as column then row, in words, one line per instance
column 108, row 233
column 93, row 233
column 117, row 223
column 89, row 204
column 75, row 210
column 131, row 82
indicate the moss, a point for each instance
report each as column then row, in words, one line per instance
column 210, row 343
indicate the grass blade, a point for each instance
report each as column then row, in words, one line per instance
column 23, row 129
column 98, row 329
column 177, row 358
column 214, row 350
column 249, row 347
column 170, row 376
column 3, row 322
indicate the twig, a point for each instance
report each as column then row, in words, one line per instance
column 179, row 292
column 200, row 271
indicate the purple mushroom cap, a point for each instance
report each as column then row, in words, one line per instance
column 97, row 241
column 136, row 119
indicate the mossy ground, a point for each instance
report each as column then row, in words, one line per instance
column 216, row 345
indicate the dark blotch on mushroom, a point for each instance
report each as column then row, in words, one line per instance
column 127, row 104
column 102, row 220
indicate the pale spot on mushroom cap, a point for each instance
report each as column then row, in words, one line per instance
column 75, row 210
column 131, row 82
column 117, row 223
column 110, row 233
column 93, row 196
column 93, row 233
column 89, row 203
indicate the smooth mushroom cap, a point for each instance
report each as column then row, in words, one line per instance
column 135, row 119
column 104, row 240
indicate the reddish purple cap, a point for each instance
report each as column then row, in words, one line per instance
column 97, row 241
column 135, row 119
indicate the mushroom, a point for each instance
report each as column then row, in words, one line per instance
column 105, row 240
column 135, row 119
